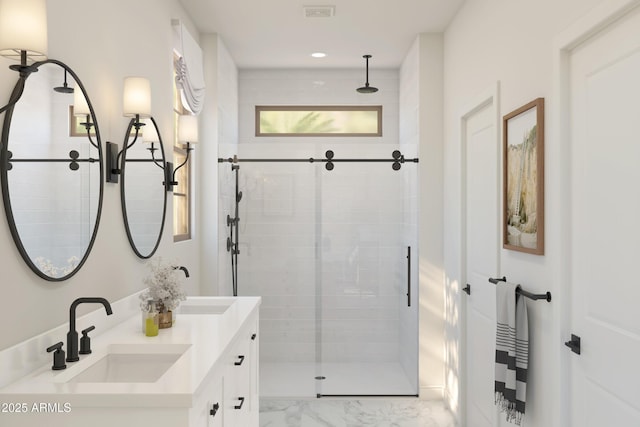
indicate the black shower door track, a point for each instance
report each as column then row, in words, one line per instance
column 396, row 159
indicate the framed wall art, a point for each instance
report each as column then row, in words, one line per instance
column 523, row 178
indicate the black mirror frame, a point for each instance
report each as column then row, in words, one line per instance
column 4, row 142
column 123, row 202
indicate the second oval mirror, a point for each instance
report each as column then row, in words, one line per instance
column 142, row 188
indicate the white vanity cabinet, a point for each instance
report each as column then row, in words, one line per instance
column 207, row 410
column 230, row 397
column 241, row 379
column 211, row 381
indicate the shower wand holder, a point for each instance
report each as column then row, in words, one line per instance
column 232, row 247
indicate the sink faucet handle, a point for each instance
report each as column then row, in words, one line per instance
column 58, row 356
column 85, row 341
column 89, row 329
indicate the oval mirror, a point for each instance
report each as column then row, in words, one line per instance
column 51, row 169
column 142, row 188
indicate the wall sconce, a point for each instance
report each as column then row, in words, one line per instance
column 81, row 109
column 187, row 133
column 150, row 136
column 136, row 104
column 23, row 37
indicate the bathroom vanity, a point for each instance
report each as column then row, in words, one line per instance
column 202, row 372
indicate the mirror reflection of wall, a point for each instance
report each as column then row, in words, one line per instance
column 143, row 191
column 54, row 207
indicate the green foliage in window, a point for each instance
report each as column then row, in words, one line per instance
column 296, row 122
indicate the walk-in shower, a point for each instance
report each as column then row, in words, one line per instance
column 326, row 239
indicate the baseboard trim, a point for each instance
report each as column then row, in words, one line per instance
column 431, row 393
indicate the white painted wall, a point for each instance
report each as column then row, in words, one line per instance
column 510, row 42
column 421, row 99
column 219, row 126
column 102, row 44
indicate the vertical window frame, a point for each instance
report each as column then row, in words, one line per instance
column 181, row 200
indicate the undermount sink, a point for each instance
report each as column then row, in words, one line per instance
column 205, row 306
column 136, row 363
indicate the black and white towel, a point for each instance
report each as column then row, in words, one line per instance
column 512, row 352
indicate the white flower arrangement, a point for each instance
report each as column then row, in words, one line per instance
column 46, row 266
column 164, row 287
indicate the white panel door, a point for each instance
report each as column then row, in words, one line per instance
column 481, row 240
column 605, row 242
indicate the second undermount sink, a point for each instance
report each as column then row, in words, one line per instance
column 131, row 363
column 206, row 306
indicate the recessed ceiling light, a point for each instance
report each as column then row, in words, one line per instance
column 319, row 11
column 318, row 54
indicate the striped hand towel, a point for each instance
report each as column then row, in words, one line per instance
column 512, row 352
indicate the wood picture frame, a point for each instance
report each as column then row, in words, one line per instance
column 523, row 179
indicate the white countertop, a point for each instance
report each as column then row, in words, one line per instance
column 207, row 335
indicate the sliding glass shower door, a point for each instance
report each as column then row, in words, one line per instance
column 329, row 252
column 367, row 317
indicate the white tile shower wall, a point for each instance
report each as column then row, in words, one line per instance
column 226, row 110
column 315, row 87
column 277, row 261
column 325, row 249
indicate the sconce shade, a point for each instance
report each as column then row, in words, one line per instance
column 188, row 129
column 149, row 132
column 23, row 27
column 137, row 97
column 80, row 106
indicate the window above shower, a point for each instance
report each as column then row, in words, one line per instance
column 297, row 121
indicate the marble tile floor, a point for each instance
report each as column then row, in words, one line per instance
column 364, row 412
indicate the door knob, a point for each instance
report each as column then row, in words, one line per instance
column 574, row 344
column 467, row 289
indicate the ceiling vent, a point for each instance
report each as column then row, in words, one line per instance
column 319, row 11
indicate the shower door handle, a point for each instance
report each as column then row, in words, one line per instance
column 408, row 276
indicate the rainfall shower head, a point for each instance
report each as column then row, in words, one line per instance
column 64, row 88
column 366, row 88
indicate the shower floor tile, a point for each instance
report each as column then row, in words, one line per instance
column 295, row 380
column 370, row 412
column 287, row 380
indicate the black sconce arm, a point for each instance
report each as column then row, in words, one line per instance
column 15, row 96
column 156, row 162
column 113, row 155
column 173, row 181
column 88, row 125
column 25, row 71
column 137, row 124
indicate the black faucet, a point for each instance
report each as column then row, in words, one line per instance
column 183, row 268
column 72, row 335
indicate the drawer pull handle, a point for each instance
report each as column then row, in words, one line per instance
column 253, row 337
column 241, row 399
column 240, row 360
column 214, row 409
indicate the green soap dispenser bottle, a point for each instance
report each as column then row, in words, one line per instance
column 151, row 320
